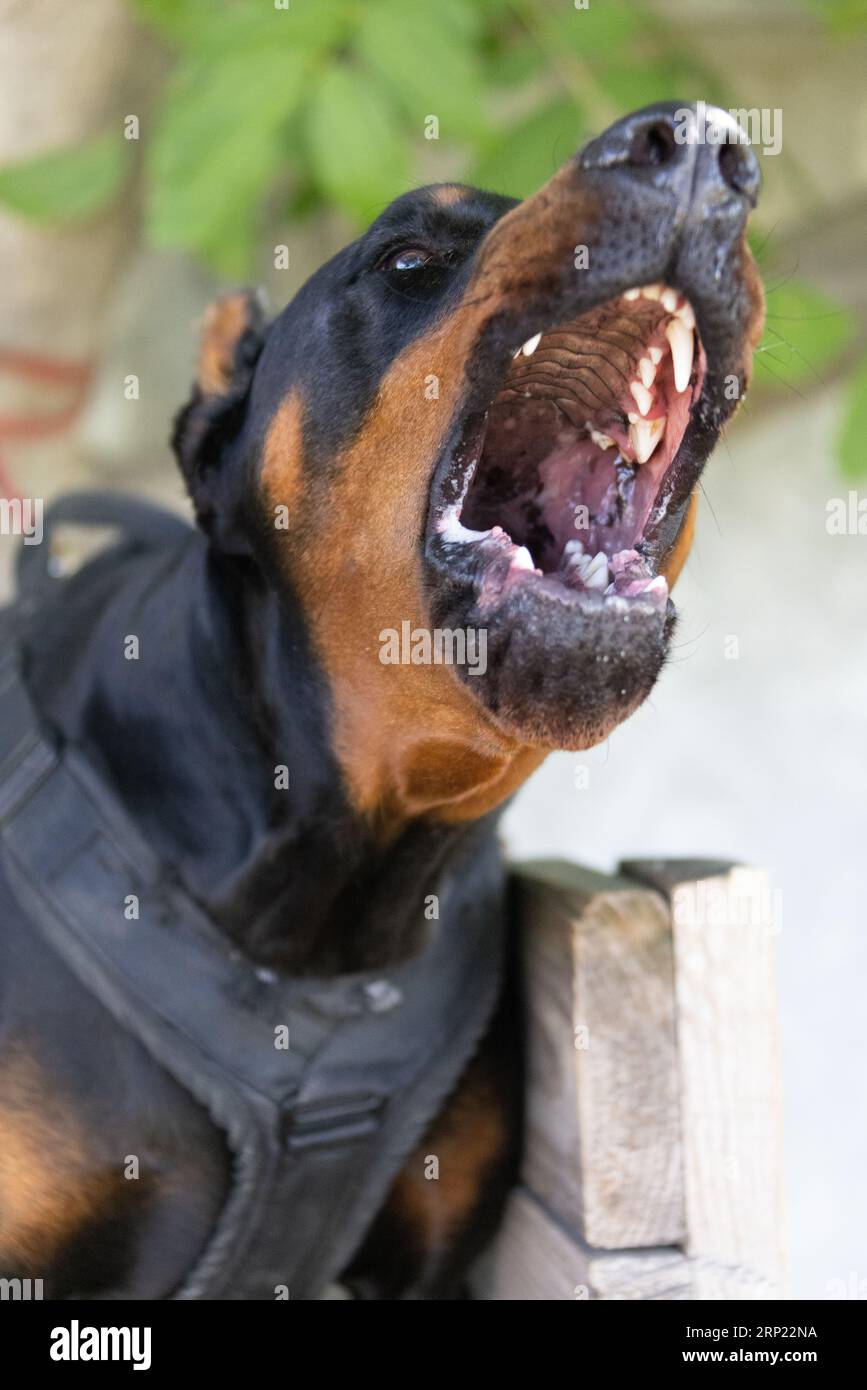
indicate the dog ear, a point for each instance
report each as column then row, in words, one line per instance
column 207, row 428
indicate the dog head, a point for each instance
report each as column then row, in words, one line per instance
column 490, row 418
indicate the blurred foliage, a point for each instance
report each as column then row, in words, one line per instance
column 71, row 185
column 296, row 105
column 805, row 330
column 853, row 431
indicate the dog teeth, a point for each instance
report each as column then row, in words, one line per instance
column 655, row 355
column 632, row 294
column 522, row 559
column 531, row 344
column 573, row 554
column 680, row 340
column 641, row 396
column 595, row 573
column 591, row 569
column 644, row 436
column 647, row 371
column 652, row 291
column 602, row 441
column 668, row 299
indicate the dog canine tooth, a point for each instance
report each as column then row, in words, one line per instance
column 642, row 397
column 647, row 372
column 645, row 435
column 669, row 301
column 680, row 340
column 531, row 344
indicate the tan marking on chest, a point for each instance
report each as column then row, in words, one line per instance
column 48, row 1189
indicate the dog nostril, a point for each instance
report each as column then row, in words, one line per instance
column 740, row 170
column 652, row 146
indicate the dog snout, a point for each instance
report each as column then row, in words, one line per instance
column 693, row 153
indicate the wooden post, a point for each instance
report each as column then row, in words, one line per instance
column 653, row 1155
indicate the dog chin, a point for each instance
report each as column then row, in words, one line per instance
column 559, row 678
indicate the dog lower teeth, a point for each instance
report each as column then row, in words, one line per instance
column 573, row 552
column 592, row 570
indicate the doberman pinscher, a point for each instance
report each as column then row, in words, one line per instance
column 485, row 418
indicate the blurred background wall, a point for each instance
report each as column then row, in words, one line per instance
column 154, row 150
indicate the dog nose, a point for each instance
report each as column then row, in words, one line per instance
column 695, row 154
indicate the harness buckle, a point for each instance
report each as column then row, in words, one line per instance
column 335, row 1121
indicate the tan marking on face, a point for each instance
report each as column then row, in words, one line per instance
column 401, row 733
column 411, row 740
column 447, row 194
column 225, row 322
column 282, row 459
column 756, row 293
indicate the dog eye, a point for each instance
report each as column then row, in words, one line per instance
column 408, row 258
column 418, row 262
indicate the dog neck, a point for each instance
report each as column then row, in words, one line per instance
column 218, row 740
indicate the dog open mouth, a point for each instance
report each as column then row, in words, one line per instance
column 563, row 482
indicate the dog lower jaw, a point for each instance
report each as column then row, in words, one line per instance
column 564, row 670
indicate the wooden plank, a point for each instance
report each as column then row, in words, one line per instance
column 724, row 930
column 536, row 1259
column 602, row 1127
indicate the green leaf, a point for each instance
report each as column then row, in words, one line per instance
column 428, row 66
column 358, row 155
column 600, row 31
column 70, row 185
column 631, row 85
column 841, row 16
column 852, row 440
column 511, row 64
column 805, row 333
column 466, row 17
column 211, row 26
column 531, row 150
column 217, row 148
column 178, row 21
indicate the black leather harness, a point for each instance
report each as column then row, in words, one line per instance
column 322, row 1086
